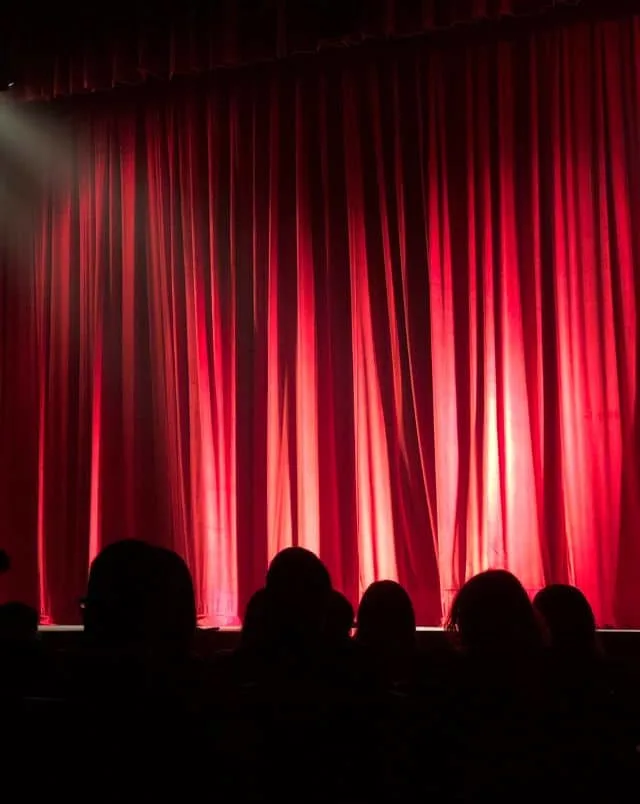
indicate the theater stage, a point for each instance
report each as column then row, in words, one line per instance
column 618, row 643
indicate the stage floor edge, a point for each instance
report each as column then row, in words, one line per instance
column 235, row 628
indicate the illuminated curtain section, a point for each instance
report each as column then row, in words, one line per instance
column 307, row 474
column 279, row 378
column 385, row 307
column 595, row 291
column 375, row 525
column 191, row 318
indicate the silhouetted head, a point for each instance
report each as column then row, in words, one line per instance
column 116, row 606
column 569, row 619
column 298, row 589
column 340, row 617
column 18, row 623
column 492, row 614
column 254, row 622
column 386, row 619
column 140, row 597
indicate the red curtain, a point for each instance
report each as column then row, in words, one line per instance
column 386, row 308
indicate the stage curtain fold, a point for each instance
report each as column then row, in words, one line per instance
column 383, row 306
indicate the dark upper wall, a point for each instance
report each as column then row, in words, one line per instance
column 63, row 48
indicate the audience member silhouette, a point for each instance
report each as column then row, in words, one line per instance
column 386, row 629
column 118, row 607
column 140, row 602
column 408, row 761
column 593, row 744
column 23, row 668
column 349, row 666
column 492, row 616
column 254, row 622
column 140, row 624
column 297, row 681
column 245, row 665
column 18, row 623
column 497, row 728
column 569, row 621
column 340, row 619
column 298, row 591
